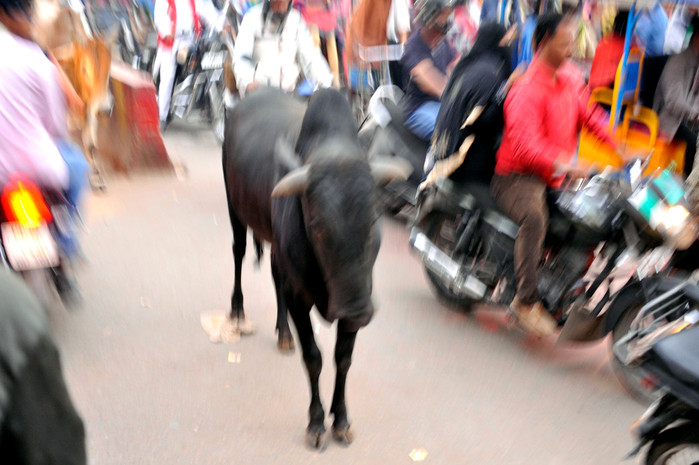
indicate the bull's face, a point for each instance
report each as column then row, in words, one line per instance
column 338, row 197
column 340, row 214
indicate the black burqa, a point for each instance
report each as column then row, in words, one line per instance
column 475, row 81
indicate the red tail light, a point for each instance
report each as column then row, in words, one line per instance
column 22, row 202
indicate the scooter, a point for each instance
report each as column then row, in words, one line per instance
column 667, row 349
column 383, row 133
column 37, row 237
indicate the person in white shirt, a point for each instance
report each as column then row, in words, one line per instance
column 178, row 23
column 274, row 47
column 32, row 104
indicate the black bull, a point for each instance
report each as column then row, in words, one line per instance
column 317, row 209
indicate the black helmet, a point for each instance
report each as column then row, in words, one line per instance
column 11, row 6
column 427, row 10
column 266, row 10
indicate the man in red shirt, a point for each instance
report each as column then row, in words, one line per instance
column 544, row 112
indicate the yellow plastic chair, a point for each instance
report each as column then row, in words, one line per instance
column 633, row 138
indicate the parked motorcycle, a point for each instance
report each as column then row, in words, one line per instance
column 198, row 90
column 609, row 239
column 137, row 41
column 37, row 229
column 383, row 133
column 665, row 347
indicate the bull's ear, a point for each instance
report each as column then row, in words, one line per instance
column 294, row 183
column 386, row 170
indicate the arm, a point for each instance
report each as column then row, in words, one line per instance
column 428, row 78
column 592, row 117
column 209, row 15
column 54, row 99
column 161, row 18
column 311, row 60
column 243, row 67
column 524, row 125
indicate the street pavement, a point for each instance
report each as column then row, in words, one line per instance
column 427, row 384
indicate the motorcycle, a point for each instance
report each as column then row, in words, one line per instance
column 137, row 39
column 665, row 347
column 199, row 86
column 383, row 133
column 37, row 235
column 609, row 240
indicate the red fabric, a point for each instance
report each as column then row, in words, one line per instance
column 172, row 13
column 544, row 112
column 604, row 65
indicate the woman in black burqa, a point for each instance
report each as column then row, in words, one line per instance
column 480, row 79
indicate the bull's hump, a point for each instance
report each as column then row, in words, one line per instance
column 328, row 117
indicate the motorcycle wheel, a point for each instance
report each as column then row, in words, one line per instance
column 442, row 233
column 677, row 446
column 631, row 378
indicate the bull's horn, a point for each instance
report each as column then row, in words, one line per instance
column 285, row 155
column 385, row 170
column 293, row 183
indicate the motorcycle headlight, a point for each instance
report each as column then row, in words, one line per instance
column 182, row 54
column 678, row 225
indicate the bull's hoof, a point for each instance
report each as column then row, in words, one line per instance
column 315, row 438
column 245, row 327
column 343, row 436
column 285, row 344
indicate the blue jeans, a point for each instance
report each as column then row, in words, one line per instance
column 422, row 120
column 78, row 169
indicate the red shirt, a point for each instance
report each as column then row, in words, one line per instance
column 604, row 65
column 544, row 111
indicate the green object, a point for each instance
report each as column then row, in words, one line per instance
column 668, row 185
column 648, row 201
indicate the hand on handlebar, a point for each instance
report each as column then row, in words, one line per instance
column 572, row 171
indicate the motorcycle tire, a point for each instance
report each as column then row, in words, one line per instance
column 677, row 446
column 631, row 378
column 436, row 232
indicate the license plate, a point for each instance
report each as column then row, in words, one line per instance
column 29, row 248
column 212, row 60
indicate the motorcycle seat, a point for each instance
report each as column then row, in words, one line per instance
column 478, row 193
column 678, row 355
column 398, row 121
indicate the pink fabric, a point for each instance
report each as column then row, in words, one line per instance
column 543, row 115
column 32, row 114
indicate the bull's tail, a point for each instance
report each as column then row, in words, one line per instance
column 259, row 250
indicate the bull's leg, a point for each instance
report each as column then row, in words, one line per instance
column 239, row 244
column 285, row 340
column 314, row 363
column 343, row 359
column 90, row 142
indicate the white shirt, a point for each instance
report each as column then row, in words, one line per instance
column 275, row 59
column 32, row 114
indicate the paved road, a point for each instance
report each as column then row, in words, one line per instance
column 153, row 390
